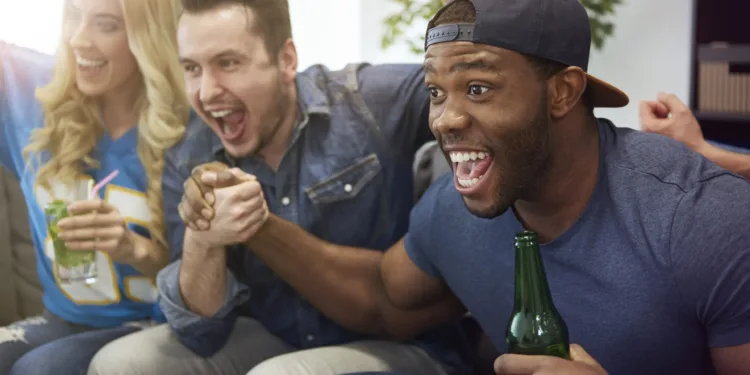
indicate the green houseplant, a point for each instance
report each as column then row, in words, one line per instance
column 397, row 23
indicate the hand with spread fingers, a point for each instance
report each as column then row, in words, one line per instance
column 97, row 225
column 580, row 363
column 222, row 206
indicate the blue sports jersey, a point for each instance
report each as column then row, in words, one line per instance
column 121, row 293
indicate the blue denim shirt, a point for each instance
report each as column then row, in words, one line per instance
column 346, row 178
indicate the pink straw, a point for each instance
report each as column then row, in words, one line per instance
column 103, row 182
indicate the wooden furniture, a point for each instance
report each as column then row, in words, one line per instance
column 720, row 77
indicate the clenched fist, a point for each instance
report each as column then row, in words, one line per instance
column 196, row 207
column 669, row 116
column 222, row 206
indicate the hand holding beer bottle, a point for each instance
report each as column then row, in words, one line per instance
column 580, row 363
column 537, row 336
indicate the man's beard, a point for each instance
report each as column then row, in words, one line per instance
column 523, row 159
column 274, row 119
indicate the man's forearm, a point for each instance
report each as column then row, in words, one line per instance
column 203, row 277
column 342, row 282
column 733, row 161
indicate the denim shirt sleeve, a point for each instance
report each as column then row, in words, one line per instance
column 172, row 189
column 397, row 97
column 204, row 336
column 179, row 161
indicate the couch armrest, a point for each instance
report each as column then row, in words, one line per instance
column 9, row 303
column 20, row 289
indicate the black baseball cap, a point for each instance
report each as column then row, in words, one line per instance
column 557, row 30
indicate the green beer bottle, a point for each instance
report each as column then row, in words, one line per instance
column 535, row 326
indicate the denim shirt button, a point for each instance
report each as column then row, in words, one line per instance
column 310, row 337
column 348, row 188
column 285, row 201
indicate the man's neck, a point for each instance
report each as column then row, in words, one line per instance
column 559, row 198
column 274, row 151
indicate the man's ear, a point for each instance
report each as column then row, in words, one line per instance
column 288, row 61
column 564, row 90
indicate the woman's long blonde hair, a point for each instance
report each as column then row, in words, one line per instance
column 72, row 123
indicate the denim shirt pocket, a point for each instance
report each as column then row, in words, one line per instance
column 348, row 206
column 345, row 184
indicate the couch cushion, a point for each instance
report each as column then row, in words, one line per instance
column 429, row 164
column 20, row 290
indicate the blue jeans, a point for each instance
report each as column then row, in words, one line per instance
column 50, row 345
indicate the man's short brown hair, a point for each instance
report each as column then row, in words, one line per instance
column 272, row 20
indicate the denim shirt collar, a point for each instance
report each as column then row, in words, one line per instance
column 311, row 100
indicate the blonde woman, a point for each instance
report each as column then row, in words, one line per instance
column 113, row 100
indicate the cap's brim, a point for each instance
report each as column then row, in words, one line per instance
column 606, row 95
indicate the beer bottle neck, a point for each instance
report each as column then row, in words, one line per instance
column 532, row 290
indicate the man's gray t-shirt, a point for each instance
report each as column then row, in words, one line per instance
column 653, row 274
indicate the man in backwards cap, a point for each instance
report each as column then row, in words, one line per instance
column 643, row 240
